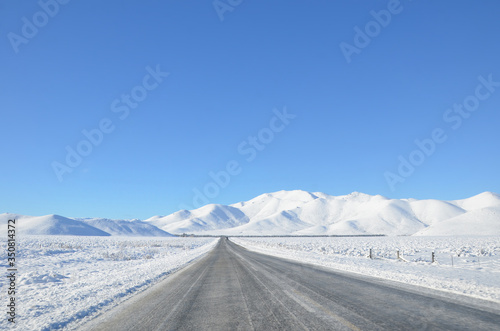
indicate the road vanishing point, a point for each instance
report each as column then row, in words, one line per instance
column 232, row 288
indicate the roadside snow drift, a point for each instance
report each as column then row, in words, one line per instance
column 463, row 265
column 65, row 280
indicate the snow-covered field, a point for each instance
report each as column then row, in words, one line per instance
column 464, row 265
column 63, row 279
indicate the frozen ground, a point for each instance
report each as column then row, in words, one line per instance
column 66, row 278
column 464, row 265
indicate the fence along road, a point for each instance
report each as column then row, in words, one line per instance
column 232, row 288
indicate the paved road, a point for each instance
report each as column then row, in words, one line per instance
column 235, row 289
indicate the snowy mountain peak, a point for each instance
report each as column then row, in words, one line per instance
column 491, row 196
column 479, row 201
column 294, row 212
column 51, row 225
column 302, row 212
column 295, row 195
column 126, row 227
column 59, row 225
column 356, row 196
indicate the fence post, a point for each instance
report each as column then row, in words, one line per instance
column 371, row 256
column 397, row 254
column 433, row 257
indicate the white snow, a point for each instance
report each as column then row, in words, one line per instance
column 305, row 213
column 49, row 225
column 464, row 265
column 60, row 225
column 64, row 279
column 483, row 222
column 297, row 213
column 209, row 217
column 125, row 227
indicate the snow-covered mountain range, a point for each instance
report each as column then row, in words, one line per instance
column 305, row 213
column 59, row 225
column 294, row 213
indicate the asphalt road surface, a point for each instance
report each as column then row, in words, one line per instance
column 232, row 288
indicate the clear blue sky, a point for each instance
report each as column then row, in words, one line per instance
column 227, row 80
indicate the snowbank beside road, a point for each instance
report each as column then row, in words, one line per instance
column 63, row 279
column 463, row 265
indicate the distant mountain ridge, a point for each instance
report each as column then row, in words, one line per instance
column 293, row 213
column 305, row 213
column 125, row 227
column 60, row 225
